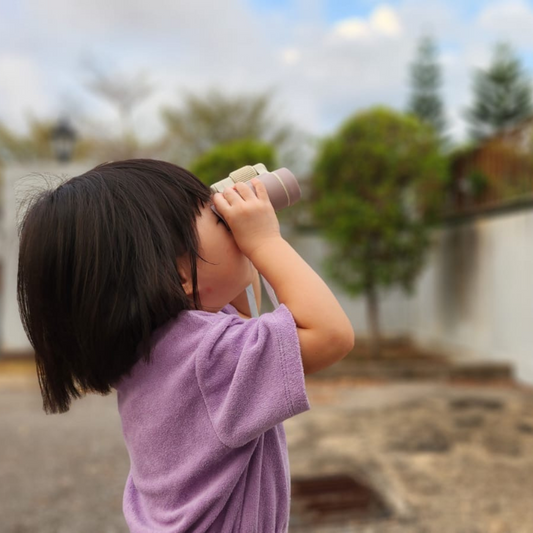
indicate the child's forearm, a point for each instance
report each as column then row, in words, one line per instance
column 302, row 290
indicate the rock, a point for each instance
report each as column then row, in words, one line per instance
column 501, row 444
column 420, row 439
column 422, row 483
column 525, row 427
column 469, row 421
column 481, row 371
column 470, row 402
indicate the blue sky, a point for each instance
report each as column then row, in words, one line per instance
column 322, row 60
column 335, row 10
column 332, row 11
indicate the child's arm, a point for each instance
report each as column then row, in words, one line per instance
column 241, row 302
column 324, row 331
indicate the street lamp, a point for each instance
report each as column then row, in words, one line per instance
column 63, row 140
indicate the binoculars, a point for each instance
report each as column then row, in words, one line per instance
column 283, row 191
column 281, row 185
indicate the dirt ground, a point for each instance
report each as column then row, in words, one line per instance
column 444, row 458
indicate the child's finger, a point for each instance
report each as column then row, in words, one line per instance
column 221, row 203
column 244, row 191
column 230, row 195
column 260, row 189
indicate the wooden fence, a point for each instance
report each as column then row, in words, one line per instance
column 490, row 176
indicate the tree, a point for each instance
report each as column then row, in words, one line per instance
column 125, row 92
column 502, row 95
column 209, row 120
column 425, row 101
column 36, row 143
column 217, row 163
column 378, row 189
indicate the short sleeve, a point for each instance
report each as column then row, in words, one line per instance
column 250, row 374
column 229, row 310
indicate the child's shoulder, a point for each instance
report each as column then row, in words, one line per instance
column 197, row 318
column 226, row 310
column 188, row 329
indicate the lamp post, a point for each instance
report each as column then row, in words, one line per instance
column 63, row 139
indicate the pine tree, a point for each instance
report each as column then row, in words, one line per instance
column 425, row 101
column 502, row 95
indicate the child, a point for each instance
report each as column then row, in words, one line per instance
column 112, row 296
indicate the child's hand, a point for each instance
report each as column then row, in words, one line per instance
column 251, row 217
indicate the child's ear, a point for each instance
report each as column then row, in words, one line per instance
column 185, row 278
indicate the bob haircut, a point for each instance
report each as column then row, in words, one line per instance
column 97, row 271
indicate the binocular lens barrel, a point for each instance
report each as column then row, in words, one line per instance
column 281, row 185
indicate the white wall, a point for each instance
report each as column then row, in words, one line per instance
column 20, row 182
column 474, row 298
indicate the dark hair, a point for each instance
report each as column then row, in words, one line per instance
column 97, row 271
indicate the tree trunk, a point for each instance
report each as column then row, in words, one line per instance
column 372, row 304
column 372, row 309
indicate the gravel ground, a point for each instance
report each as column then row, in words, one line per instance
column 446, row 459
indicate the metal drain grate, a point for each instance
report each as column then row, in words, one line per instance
column 333, row 499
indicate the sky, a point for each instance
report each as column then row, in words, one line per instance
column 322, row 60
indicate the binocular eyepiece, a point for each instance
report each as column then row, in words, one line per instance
column 281, row 185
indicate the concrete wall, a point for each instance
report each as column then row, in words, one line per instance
column 20, row 183
column 474, row 298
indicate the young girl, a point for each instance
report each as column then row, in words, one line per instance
column 128, row 280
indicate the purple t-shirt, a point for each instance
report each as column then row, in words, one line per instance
column 203, row 424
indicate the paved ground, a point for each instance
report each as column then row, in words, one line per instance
column 61, row 473
column 444, row 459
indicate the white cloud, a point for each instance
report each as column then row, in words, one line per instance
column 509, row 19
column 320, row 73
column 353, row 28
column 383, row 21
column 290, row 56
column 22, row 90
